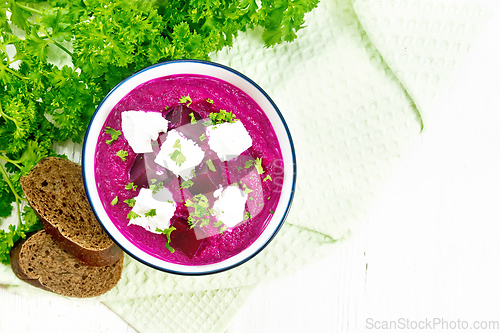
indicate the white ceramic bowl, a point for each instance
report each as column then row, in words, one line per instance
column 203, row 68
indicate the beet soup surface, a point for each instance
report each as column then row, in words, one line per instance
column 192, row 245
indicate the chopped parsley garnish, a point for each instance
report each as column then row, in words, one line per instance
column 187, row 183
column 155, row 187
column 271, row 211
column 132, row 215
column 201, row 214
column 268, row 177
column 207, row 123
column 167, row 232
column 122, row 154
column 186, row 99
column 131, row 186
column 130, row 202
column 193, row 119
column 114, row 201
column 177, row 155
column 211, row 166
column 210, row 101
column 114, row 134
column 250, row 198
column 222, row 227
column 222, row 117
column 177, row 144
column 151, row 213
column 258, row 165
column 246, row 190
column 203, row 137
column 248, row 216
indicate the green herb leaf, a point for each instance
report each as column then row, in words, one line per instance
column 210, row 101
column 211, row 166
column 268, row 177
column 170, row 248
column 258, row 165
column 132, row 215
column 187, row 183
column 193, row 119
column 130, row 202
column 177, row 157
column 167, row 232
column 186, row 99
column 156, row 187
column 200, row 211
column 28, row 223
column 222, row 117
column 122, row 154
column 151, row 213
column 177, row 144
column 203, row 137
column 114, row 201
column 247, row 190
column 131, row 186
column 114, row 134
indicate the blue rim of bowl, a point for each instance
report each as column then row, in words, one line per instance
column 294, row 179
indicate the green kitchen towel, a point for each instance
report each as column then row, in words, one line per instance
column 355, row 88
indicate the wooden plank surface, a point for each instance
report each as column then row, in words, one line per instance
column 428, row 253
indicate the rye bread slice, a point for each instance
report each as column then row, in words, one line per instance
column 39, row 261
column 54, row 189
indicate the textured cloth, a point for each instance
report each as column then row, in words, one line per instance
column 355, row 88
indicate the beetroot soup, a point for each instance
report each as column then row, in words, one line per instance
column 189, row 169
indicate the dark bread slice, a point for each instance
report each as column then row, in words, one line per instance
column 39, row 261
column 54, row 188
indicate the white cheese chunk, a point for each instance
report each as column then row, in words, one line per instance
column 140, row 127
column 179, row 155
column 230, row 205
column 228, row 140
column 144, row 203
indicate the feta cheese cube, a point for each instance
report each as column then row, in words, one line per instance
column 228, row 140
column 230, row 205
column 144, row 203
column 140, row 127
column 179, row 155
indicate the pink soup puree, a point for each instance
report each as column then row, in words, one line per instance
column 199, row 237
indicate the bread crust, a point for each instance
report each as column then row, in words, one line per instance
column 39, row 261
column 16, row 267
column 54, row 189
